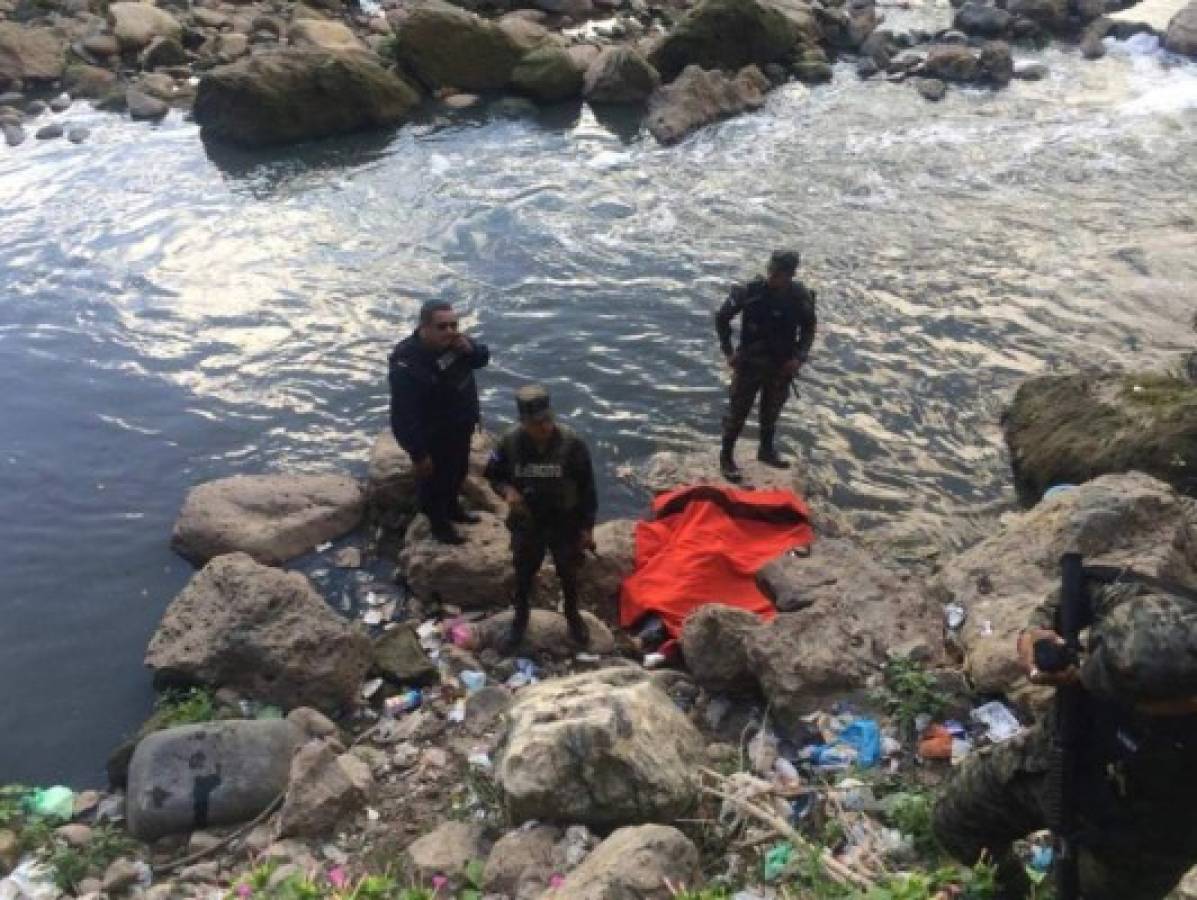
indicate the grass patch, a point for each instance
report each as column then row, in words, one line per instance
column 181, row 706
column 907, row 691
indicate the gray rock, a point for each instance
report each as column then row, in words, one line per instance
column 121, row 875
column 143, row 107
column 312, row 723
column 484, row 707
column 982, row 20
column 1066, row 429
column 102, row 45
column 951, row 62
column 995, row 63
column 60, row 104
column 1049, row 14
column 263, row 632
column 35, row 108
column 163, row 52
column 548, row 75
column 604, row 748
column 1181, row 36
column 474, row 575
column 521, row 862
column 75, row 835
column 324, row 35
column 273, row 518
column 852, row 610
column 136, row 24
column 715, row 642
column 447, row 46
column 698, row 97
column 49, row 132
column 399, row 658
column 620, row 75
column 197, row 776
column 1122, row 519
column 324, row 789
column 448, row 851
column 635, row 864
column 88, row 82
column 282, row 97
column 547, row 634
column 30, row 54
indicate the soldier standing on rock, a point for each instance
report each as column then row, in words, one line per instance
column 434, row 412
column 543, row 471
column 777, row 329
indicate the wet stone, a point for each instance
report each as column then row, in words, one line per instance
column 60, row 104
column 36, row 108
column 78, row 134
column 49, row 132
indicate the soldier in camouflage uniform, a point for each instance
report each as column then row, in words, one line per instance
column 777, row 328
column 1138, row 796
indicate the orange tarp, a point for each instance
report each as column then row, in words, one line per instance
column 704, row 545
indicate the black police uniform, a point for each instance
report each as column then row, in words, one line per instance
column 775, row 328
column 560, row 503
column 434, row 412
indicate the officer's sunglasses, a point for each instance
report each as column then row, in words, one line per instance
column 447, row 326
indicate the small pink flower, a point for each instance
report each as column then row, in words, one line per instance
column 244, row 890
column 556, row 880
column 338, row 877
column 439, row 883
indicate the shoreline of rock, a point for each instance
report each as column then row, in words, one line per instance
column 271, row 72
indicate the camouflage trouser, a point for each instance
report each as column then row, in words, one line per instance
column 747, row 381
column 1000, row 795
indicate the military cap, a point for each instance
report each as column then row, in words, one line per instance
column 532, row 402
column 784, row 261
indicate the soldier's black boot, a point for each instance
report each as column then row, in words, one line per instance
column 727, row 460
column 519, row 626
column 443, row 531
column 579, row 631
column 767, row 453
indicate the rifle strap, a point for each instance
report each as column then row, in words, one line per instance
column 1114, row 574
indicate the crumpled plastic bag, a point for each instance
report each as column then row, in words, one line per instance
column 30, row 880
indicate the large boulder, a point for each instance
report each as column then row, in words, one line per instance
column 698, row 97
column 731, row 34
column 262, row 632
column 201, row 776
column 715, row 640
column 852, row 613
column 30, row 54
column 298, row 94
column 1049, row 14
column 982, row 20
column 474, row 575
column 391, row 483
column 1126, row 519
column 620, row 75
column 1181, row 36
column 1065, row 429
column 649, row 862
column 135, row 24
column 323, row 34
column 273, row 518
column 325, row 788
column 605, row 748
column 547, row 74
column 444, row 46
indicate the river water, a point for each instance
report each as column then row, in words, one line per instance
column 170, row 316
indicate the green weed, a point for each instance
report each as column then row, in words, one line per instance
column 908, row 691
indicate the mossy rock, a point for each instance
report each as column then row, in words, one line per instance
column 731, row 34
column 548, row 74
column 1066, row 429
column 443, row 46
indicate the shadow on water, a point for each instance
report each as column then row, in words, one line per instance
column 267, row 169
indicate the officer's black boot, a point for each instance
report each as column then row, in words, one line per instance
column 727, row 460
column 459, row 514
column 767, row 453
column 579, row 631
column 519, row 625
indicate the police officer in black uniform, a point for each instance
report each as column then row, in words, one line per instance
column 434, row 412
column 543, row 471
column 777, row 329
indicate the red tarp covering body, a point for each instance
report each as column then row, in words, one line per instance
column 704, row 545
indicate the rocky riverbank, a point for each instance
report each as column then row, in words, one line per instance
column 281, row 71
column 388, row 750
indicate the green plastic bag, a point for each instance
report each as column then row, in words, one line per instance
column 57, row 802
column 776, row 861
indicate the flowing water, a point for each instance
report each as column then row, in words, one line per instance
column 171, row 316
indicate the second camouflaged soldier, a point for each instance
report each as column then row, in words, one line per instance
column 1136, row 793
column 777, row 328
column 543, row 471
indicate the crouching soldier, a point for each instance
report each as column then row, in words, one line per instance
column 543, row 471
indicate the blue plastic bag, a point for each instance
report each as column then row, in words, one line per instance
column 863, row 736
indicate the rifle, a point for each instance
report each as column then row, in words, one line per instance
column 1073, row 615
